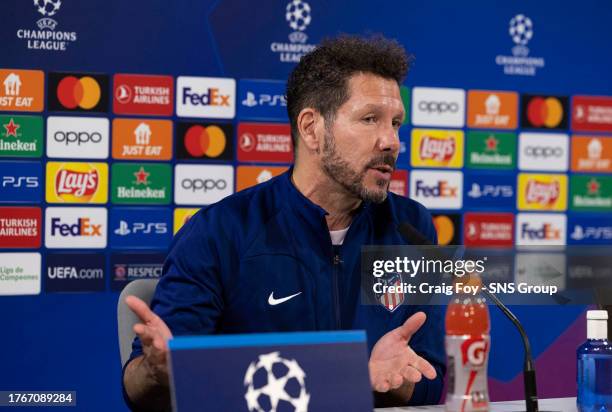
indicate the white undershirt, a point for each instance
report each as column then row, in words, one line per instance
column 337, row 236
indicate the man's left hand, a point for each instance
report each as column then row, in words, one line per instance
column 393, row 363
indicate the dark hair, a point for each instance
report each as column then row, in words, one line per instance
column 320, row 80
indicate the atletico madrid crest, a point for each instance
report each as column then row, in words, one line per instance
column 391, row 300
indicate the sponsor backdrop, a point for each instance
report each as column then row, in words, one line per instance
column 112, row 136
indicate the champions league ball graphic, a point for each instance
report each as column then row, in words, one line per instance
column 298, row 15
column 48, row 7
column 521, row 29
column 275, row 384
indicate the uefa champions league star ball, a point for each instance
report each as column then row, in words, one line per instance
column 298, row 15
column 521, row 29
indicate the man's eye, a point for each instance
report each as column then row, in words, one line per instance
column 370, row 119
column 397, row 124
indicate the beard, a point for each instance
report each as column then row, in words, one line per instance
column 341, row 172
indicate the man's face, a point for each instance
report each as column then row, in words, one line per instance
column 362, row 144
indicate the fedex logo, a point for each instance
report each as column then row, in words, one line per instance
column 212, row 97
column 83, row 227
column 545, row 231
column 209, row 97
column 442, row 189
column 437, row 189
column 75, row 227
column 540, row 229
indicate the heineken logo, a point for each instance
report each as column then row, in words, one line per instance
column 140, row 183
column 491, row 150
column 21, row 136
column 543, row 193
column 591, row 193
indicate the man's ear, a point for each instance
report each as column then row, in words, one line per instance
column 309, row 124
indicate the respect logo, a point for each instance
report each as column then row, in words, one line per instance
column 73, row 182
column 542, row 192
column 437, row 148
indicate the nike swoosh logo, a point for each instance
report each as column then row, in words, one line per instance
column 274, row 302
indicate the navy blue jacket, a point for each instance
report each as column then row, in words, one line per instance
column 230, row 256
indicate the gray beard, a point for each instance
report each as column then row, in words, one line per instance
column 338, row 169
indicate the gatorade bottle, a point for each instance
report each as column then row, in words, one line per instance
column 467, row 350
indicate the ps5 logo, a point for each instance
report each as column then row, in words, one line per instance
column 477, row 191
column 157, row 228
column 21, row 181
column 592, row 232
column 264, row 99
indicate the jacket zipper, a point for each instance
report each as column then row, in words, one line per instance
column 336, row 274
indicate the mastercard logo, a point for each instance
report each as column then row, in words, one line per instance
column 207, row 141
column 83, row 92
column 445, row 229
column 545, row 112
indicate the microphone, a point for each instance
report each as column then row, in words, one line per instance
column 410, row 234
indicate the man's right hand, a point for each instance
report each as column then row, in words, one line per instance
column 146, row 377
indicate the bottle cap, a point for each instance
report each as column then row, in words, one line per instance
column 597, row 314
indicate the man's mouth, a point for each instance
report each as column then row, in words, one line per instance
column 384, row 170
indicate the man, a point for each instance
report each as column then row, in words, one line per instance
column 284, row 255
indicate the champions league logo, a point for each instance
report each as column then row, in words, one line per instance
column 274, row 383
column 46, row 37
column 299, row 16
column 521, row 31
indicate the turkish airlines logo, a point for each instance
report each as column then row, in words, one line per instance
column 592, row 113
column 489, row 229
column 438, row 107
column 20, row 227
column 77, row 137
column 77, row 182
column 265, row 142
column 539, row 151
column 210, row 97
column 78, row 92
column 142, row 94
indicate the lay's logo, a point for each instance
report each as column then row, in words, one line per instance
column 437, row 148
column 542, row 192
column 73, row 182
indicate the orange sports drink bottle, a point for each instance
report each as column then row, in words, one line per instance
column 467, row 351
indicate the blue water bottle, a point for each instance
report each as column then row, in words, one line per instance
column 594, row 371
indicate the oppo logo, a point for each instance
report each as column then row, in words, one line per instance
column 543, row 151
column 203, row 184
column 438, row 107
column 77, row 137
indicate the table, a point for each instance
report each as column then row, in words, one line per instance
column 555, row 404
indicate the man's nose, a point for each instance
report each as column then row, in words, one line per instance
column 389, row 140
